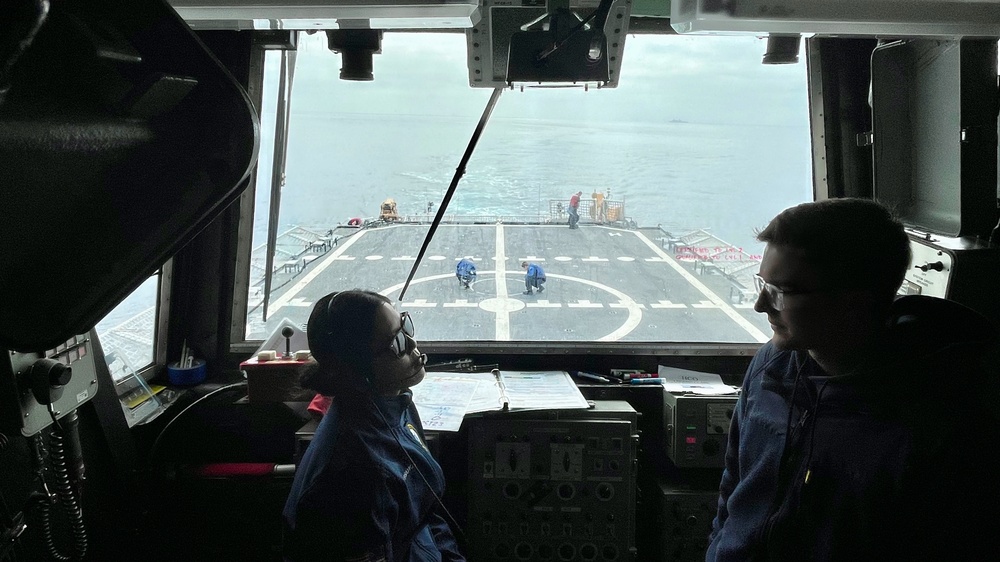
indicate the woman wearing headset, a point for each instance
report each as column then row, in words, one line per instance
column 367, row 487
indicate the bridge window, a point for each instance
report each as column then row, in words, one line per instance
column 127, row 333
column 698, row 146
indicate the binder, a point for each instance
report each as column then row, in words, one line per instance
column 537, row 390
column 443, row 399
column 503, row 398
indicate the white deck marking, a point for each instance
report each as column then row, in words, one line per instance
column 461, row 303
column 436, row 258
column 373, row 258
column 420, row 303
column 389, row 290
column 533, row 258
column 723, row 306
column 625, row 258
column 404, row 258
column 594, row 258
column 623, row 305
column 504, row 304
column 543, row 303
column 704, row 304
column 634, row 308
column 667, row 304
column 309, row 277
column 299, row 301
column 584, row 304
column 501, row 311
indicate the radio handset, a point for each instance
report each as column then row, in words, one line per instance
column 48, row 377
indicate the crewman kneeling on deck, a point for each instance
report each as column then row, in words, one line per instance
column 367, row 487
column 534, row 278
column 465, row 271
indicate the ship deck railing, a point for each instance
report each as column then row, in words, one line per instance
column 610, row 212
column 732, row 269
column 687, row 241
column 474, row 219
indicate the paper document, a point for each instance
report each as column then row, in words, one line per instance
column 486, row 396
column 694, row 382
column 442, row 399
column 542, row 390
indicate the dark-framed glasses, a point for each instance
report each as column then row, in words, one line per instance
column 398, row 343
column 775, row 296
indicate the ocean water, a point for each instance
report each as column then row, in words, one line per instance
column 728, row 179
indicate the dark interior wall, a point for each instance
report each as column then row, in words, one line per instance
column 846, row 74
column 203, row 276
column 119, row 132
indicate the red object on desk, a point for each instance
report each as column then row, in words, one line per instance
column 276, row 380
column 320, row 404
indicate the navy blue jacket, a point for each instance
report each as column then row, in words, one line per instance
column 356, row 495
column 465, row 267
column 892, row 462
column 535, row 271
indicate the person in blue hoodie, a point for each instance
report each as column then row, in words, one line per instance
column 865, row 429
column 534, row 277
column 367, row 487
column 465, row 271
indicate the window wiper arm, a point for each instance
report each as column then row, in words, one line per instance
column 459, row 172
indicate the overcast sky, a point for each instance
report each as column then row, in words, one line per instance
column 693, row 78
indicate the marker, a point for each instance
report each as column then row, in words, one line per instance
column 640, row 376
column 654, row 380
column 597, row 378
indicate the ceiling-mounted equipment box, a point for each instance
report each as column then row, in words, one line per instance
column 896, row 18
column 508, row 45
column 328, row 14
column 934, row 132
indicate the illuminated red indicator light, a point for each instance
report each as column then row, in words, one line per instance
column 691, row 440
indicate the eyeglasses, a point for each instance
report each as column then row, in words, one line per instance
column 398, row 344
column 775, row 296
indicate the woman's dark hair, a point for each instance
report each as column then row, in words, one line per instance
column 340, row 329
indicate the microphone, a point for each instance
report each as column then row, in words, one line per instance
column 287, row 331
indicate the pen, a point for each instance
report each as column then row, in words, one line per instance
column 597, row 378
column 654, row 380
column 640, row 376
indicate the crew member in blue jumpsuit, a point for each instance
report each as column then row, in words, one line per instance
column 534, row 277
column 465, row 271
column 367, row 487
